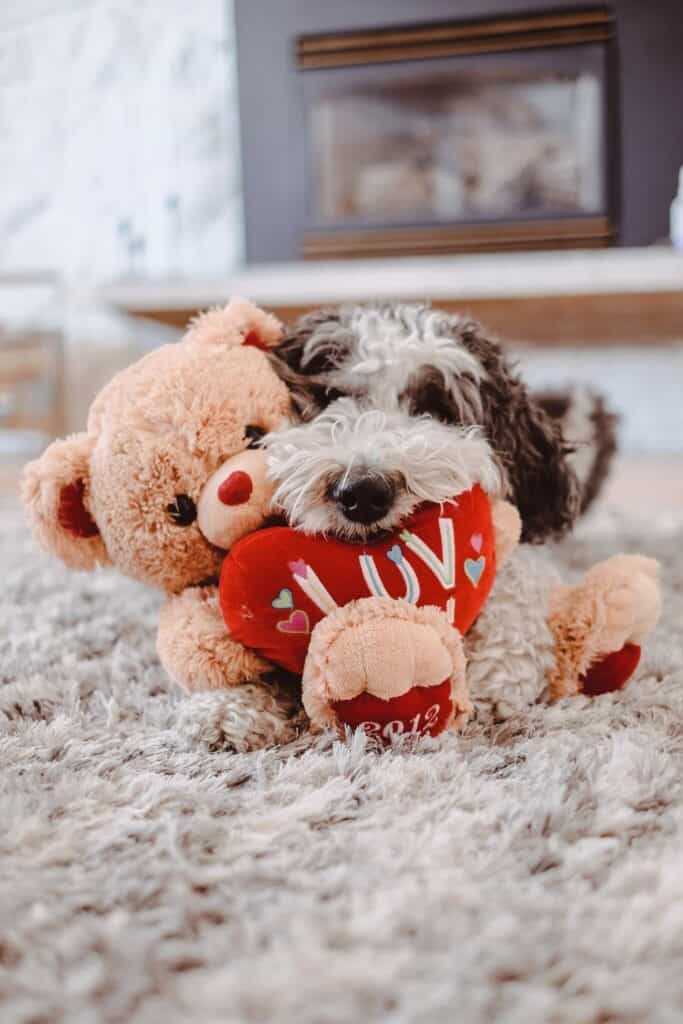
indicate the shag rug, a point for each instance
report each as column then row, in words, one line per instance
column 166, row 858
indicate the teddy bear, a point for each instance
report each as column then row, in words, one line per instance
column 131, row 491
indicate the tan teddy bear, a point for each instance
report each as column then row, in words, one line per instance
column 131, row 490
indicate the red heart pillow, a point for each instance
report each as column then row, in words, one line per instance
column 276, row 584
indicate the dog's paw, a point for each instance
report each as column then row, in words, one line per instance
column 250, row 717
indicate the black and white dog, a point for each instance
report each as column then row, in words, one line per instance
column 400, row 404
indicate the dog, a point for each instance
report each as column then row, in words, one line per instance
column 399, row 404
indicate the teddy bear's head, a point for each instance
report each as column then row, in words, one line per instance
column 165, row 478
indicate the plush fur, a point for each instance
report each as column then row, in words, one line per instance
column 137, row 489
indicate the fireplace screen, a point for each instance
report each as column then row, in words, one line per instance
column 463, row 146
column 497, row 135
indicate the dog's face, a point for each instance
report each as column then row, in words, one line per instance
column 401, row 404
column 356, row 471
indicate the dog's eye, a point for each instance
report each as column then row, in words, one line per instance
column 253, row 435
column 182, row 511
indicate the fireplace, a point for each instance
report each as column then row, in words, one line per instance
column 465, row 137
column 463, row 133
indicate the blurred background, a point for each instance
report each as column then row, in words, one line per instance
column 514, row 159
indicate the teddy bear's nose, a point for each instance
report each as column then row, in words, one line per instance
column 236, row 488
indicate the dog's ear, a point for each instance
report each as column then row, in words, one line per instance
column 54, row 490
column 312, row 348
column 527, row 442
column 543, row 485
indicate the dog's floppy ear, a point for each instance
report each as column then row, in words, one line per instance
column 314, row 346
column 238, row 323
column 528, row 442
column 54, row 490
column 542, row 483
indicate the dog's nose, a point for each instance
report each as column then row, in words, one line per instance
column 366, row 500
column 236, row 489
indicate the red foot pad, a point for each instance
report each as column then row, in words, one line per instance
column 422, row 711
column 611, row 672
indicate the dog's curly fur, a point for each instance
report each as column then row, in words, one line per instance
column 590, row 427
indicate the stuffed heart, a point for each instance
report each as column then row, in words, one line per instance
column 276, row 584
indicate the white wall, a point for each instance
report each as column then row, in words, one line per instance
column 118, row 138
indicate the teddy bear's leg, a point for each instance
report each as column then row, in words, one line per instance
column 600, row 623
column 195, row 647
column 378, row 662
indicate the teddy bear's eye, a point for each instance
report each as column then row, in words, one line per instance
column 182, row 511
column 253, row 435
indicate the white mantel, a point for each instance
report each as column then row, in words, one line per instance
column 518, row 275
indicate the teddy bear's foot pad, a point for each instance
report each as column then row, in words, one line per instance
column 421, row 711
column 388, row 666
column 612, row 671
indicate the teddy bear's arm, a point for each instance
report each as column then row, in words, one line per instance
column 195, row 647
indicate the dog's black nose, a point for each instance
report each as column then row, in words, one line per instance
column 365, row 500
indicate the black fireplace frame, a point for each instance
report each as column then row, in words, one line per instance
column 278, row 42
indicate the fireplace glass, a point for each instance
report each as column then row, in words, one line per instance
column 465, row 145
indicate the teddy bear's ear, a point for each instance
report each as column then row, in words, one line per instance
column 54, row 490
column 238, row 323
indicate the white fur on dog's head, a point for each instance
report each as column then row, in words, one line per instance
column 425, row 461
column 381, row 351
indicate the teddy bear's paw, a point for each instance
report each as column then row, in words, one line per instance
column 195, row 647
column 626, row 598
column 387, row 667
column 600, row 624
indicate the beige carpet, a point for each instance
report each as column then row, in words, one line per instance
column 149, row 873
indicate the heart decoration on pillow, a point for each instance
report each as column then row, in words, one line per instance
column 277, row 583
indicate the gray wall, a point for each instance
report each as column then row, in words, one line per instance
column 650, row 128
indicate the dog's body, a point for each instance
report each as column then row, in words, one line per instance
column 401, row 404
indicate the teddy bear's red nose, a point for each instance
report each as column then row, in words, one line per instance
column 236, row 488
